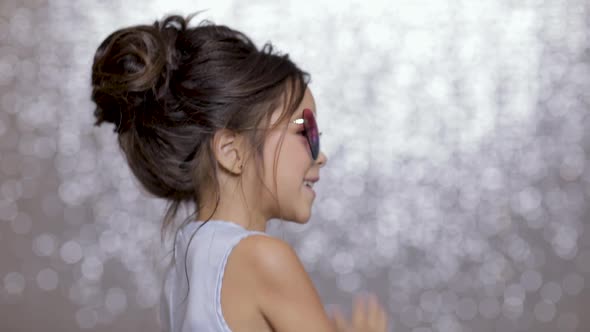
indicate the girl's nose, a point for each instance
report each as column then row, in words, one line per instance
column 322, row 159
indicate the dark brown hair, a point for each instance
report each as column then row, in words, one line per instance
column 168, row 88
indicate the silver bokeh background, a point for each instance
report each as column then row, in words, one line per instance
column 457, row 186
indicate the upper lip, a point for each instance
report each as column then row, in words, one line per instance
column 313, row 179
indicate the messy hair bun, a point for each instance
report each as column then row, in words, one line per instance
column 131, row 71
column 168, row 88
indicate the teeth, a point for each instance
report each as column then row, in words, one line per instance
column 308, row 183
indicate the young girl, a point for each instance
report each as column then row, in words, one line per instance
column 205, row 117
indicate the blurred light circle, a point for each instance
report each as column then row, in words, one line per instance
column 514, row 293
column 489, row 307
column 14, row 283
column 354, row 185
column 544, row 311
column 44, row 147
column 572, row 165
column 331, row 209
column 86, row 318
column 551, row 292
column 7, row 68
column 411, row 316
column 466, row 309
column 75, row 293
column 83, row 292
column 109, row 241
column 447, row 323
column 512, row 308
column 449, row 301
column 583, row 261
column 45, row 244
column 492, row 179
column 92, row 268
column 20, row 26
column 71, row 252
column 430, row 301
column 11, row 190
column 565, row 242
column 311, row 246
column 47, row 279
column 51, row 205
column 567, row 322
column 4, row 28
column 349, row 282
column 573, row 284
column 531, row 280
column 3, row 128
column 421, row 329
column 537, row 258
column 148, row 297
column 343, row 262
column 71, row 192
column 22, row 223
column 30, row 167
column 116, row 300
column 8, row 211
column 8, row 164
column 105, row 317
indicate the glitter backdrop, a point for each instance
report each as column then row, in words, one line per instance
column 457, row 186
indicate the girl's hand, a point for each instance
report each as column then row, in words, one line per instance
column 368, row 316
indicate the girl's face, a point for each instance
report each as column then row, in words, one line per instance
column 294, row 167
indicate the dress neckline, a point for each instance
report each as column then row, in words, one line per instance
column 216, row 221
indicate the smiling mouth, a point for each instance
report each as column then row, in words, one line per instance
column 310, row 189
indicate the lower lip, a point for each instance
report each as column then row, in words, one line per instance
column 311, row 190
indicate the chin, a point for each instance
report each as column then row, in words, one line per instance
column 303, row 219
column 300, row 219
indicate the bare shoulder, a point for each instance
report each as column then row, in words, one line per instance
column 285, row 293
column 272, row 260
column 269, row 255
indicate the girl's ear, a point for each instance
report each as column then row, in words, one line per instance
column 228, row 150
